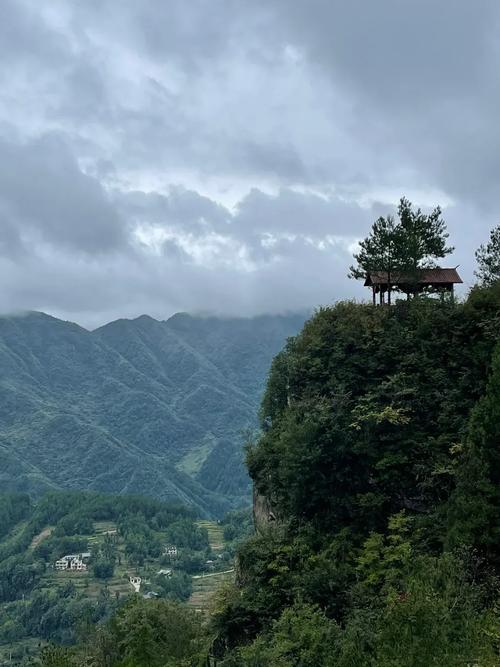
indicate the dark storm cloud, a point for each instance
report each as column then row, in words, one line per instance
column 306, row 214
column 44, row 192
column 158, row 156
column 424, row 77
column 179, row 209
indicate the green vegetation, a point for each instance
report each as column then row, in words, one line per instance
column 488, row 259
column 378, row 541
column 237, row 526
column 379, row 457
column 157, row 408
column 123, row 536
column 156, row 633
column 404, row 247
column 376, row 505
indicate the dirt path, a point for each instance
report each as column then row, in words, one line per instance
column 212, row 574
column 41, row 536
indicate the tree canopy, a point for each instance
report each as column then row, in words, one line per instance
column 379, row 459
column 405, row 246
column 488, row 259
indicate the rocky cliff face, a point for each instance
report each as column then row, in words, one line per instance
column 264, row 516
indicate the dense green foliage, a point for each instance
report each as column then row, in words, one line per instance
column 378, row 541
column 376, row 505
column 238, row 526
column 153, row 633
column 138, row 406
column 379, row 457
column 488, row 259
column 124, row 535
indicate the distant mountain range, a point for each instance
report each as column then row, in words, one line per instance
column 136, row 406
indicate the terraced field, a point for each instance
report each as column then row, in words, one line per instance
column 205, row 586
column 215, row 534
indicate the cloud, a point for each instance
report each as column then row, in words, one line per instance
column 47, row 198
column 226, row 155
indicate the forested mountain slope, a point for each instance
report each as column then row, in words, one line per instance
column 137, row 406
column 377, row 503
column 377, row 494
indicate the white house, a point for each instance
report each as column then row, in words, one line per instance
column 61, row 564
column 170, row 550
column 166, row 572
column 76, row 565
column 136, row 583
column 72, row 562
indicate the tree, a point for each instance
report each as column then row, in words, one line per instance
column 488, row 259
column 422, row 239
column 55, row 656
column 475, row 505
column 303, row 636
column 404, row 247
column 103, row 569
column 157, row 633
column 379, row 252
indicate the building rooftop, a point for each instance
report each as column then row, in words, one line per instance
column 435, row 276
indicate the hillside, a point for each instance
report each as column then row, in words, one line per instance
column 377, row 499
column 68, row 560
column 376, row 476
column 137, row 406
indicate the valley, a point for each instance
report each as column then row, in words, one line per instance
column 72, row 559
column 136, row 406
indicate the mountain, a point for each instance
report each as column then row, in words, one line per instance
column 136, row 406
column 376, row 494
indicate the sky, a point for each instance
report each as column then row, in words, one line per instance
column 226, row 156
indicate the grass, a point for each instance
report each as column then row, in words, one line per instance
column 195, row 458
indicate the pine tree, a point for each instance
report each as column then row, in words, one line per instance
column 404, row 248
column 488, row 259
column 379, row 252
column 475, row 506
column 422, row 238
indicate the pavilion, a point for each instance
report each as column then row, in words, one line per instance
column 436, row 280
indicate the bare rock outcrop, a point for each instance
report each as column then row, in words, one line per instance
column 264, row 516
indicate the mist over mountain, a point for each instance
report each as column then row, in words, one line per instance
column 136, row 406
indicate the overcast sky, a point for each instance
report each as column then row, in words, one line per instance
column 225, row 155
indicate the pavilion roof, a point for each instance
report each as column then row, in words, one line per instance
column 435, row 276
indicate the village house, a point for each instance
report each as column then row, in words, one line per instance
column 165, row 572
column 77, row 565
column 61, row 564
column 136, row 583
column 170, row 550
column 73, row 562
